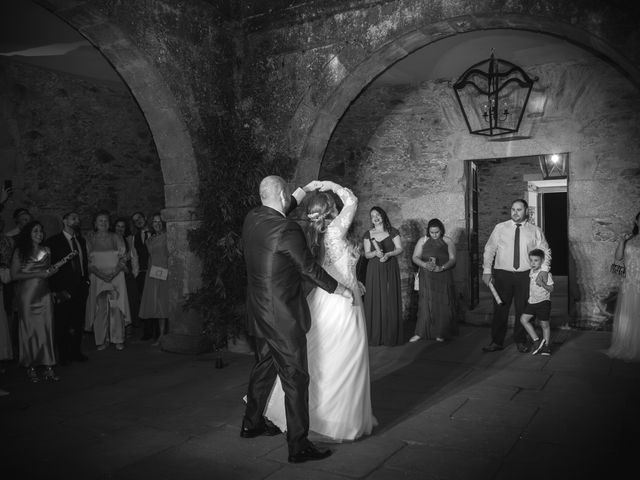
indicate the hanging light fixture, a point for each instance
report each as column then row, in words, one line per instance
column 493, row 96
column 553, row 166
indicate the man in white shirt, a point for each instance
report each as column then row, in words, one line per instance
column 506, row 266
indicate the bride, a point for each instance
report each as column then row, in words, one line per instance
column 337, row 351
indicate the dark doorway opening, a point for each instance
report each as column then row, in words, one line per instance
column 554, row 211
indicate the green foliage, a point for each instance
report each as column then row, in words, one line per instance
column 228, row 190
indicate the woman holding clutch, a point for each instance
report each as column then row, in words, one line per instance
column 383, row 296
column 107, row 305
column 435, row 254
column 155, row 296
column 30, row 268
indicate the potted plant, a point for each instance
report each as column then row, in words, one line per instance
column 228, row 190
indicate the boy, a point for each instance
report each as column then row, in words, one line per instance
column 538, row 305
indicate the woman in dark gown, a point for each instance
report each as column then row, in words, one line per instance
column 383, row 296
column 435, row 254
column 30, row 268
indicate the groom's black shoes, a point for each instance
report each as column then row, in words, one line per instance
column 493, row 347
column 267, row 428
column 308, row 454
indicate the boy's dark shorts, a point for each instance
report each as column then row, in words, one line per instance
column 541, row 310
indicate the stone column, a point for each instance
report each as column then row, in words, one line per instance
column 185, row 268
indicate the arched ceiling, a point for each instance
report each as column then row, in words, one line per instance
column 450, row 57
column 30, row 34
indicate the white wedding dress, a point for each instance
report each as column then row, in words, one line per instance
column 337, row 347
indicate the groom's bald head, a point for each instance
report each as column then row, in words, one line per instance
column 274, row 192
column 271, row 187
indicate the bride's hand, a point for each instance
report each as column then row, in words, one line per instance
column 311, row 186
column 326, row 185
column 362, row 288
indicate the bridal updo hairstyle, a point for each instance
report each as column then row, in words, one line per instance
column 321, row 210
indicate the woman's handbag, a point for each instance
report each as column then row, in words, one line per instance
column 158, row 273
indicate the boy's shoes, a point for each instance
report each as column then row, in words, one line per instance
column 546, row 350
column 537, row 346
column 524, row 347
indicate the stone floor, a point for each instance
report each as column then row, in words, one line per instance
column 446, row 411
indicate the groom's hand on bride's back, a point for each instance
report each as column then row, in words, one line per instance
column 344, row 291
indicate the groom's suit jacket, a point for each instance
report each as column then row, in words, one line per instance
column 278, row 260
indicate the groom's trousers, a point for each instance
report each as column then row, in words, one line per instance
column 289, row 361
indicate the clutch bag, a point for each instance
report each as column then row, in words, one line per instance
column 159, row 273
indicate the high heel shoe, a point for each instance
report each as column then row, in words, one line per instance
column 50, row 375
column 33, row 375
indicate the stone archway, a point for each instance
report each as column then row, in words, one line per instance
column 170, row 134
column 338, row 101
column 461, row 146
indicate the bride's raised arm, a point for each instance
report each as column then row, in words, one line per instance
column 349, row 202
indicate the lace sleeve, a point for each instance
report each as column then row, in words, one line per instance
column 350, row 204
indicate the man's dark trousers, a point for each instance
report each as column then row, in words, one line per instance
column 511, row 286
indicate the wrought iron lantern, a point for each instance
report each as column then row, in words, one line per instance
column 553, row 166
column 493, row 96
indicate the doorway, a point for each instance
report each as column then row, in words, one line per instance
column 554, row 215
column 491, row 186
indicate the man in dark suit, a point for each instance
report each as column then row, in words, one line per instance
column 278, row 260
column 70, row 286
column 139, row 243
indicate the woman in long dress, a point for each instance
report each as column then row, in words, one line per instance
column 625, row 338
column 337, row 351
column 435, row 254
column 154, row 303
column 107, row 304
column 30, row 268
column 121, row 227
column 383, row 296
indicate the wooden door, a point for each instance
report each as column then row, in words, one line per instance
column 472, row 234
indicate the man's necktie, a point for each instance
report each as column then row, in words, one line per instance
column 516, row 248
column 75, row 262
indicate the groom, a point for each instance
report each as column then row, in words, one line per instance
column 278, row 260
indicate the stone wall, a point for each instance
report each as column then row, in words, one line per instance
column 72, row 143
column 500, row 182
column 404, row 148
column 303, row 63
column 178, row 60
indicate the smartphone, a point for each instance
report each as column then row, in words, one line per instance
column 8, row 184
